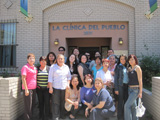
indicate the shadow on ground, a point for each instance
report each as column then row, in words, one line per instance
column 147, row 116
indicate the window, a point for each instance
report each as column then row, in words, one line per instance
column 8, row 43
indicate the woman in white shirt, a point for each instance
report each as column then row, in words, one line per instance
column 105, row 74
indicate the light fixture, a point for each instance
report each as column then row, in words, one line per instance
column 120, row 41
column 56, row 41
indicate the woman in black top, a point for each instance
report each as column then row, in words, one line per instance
column 72, row 64
column 83, row 69
column 135, row 88
column 51, row 58
column 76, row 53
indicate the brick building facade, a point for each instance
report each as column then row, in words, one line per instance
column 38, row 35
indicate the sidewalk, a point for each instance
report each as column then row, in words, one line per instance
column 36, row 114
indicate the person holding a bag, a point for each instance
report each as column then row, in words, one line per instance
column 72, row 98
column 135, row 88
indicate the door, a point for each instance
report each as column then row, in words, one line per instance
column 90, row 50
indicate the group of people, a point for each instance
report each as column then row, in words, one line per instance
column 98, row 88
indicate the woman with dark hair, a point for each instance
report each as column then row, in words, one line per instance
column 87, row 91
column 83, row 69
column 51, row 58
column 42, row 89
column 72, row 64
column 72, row 98
column 76, row 53
column 97, row 67
column 135, row 86
column 121, row 84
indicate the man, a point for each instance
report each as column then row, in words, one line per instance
column 59, row 80
column 29, row 84
column 62, row 50
column 110, row 52
column 89, row 60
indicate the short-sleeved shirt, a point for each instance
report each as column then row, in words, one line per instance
column 59, row 76
column 104, row 96
column 95, row 71
column 42, row 78
column 31, row 76
column 104, row 76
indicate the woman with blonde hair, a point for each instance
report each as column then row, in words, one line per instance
column 102, row 106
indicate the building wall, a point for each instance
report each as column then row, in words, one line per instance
column 11, row 99
column 151, row 99
column 34, row 36
column 96, row 11
column 97, row 30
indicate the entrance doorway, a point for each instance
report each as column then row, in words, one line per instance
column 90, row 50
column 90, row 45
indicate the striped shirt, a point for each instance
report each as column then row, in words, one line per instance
column 42, row 78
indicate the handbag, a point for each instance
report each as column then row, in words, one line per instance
column 140, row 109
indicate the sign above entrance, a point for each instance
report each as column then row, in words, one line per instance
column 89, row 27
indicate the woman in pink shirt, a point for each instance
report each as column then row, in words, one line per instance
column 29, row 84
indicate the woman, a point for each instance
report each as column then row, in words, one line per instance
column 97, row 67
column 72, row 98
column 135, row 88
column 83, row 69
column 87, row 91
column 76, row 53
column 121, row 84
column 105, row 74
column 59, row 80
column 102, row 105
column 42, row 89
column 29, row 84
column 93, row 61
column 51, row 58
column 72, row 64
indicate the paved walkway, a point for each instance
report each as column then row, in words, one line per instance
column 36, row 114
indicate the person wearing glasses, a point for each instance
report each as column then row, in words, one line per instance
column 62, row 50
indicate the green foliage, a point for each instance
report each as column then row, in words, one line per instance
column 150, row 66
column 10, row 73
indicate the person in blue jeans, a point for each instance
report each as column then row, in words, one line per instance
column 121, row 84
column 135, row 88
